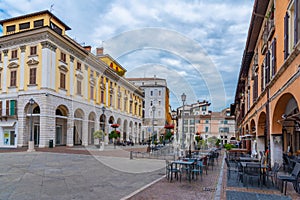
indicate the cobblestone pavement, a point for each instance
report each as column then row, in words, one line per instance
column 86, row 185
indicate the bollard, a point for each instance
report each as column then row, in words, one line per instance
column 130, row 155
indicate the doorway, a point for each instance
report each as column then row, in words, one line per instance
column 58, row 137
column 36, row 132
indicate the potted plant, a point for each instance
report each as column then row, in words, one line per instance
column 98, row 135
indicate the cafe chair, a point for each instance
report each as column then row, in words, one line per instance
column 293, row 178
column 198, row 169
column 272, row 174
column 252, row 171
column 171, row 169
column 204, row 163
column 231, row 167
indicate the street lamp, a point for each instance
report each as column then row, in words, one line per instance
column 103, row 127
column 31, row 142
column 183, row 98
column 153, row 110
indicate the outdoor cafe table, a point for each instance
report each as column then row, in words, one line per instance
column 188, row 164
column 262, row 166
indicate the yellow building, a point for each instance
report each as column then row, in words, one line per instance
column 68, row 87
column 267, row 94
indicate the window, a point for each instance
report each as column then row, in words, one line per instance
column 79, row 87
column 110, row 100
column 12, row 107
column 102, row 96
column 206, row 129
column 192, row 121
column 273, row 58
column 33, row 50
column 262, row 76
column 14, row 54
column 63, row 57
column 0, row 56
column 159, row 93
column 79, row 68
column 13, row 78
column 225, row 122
column 32, row 76
column 151, row 93
column 186, row 122
column 55, row 28
column 24, row 26
column 38, row 23
column 159, row 103
column 11, row 28
column 151, row 103
column 92, row 92
column 204, row 108
column 206, row 121
column 291, row 26
column 62, row 80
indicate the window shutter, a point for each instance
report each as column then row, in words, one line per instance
column 296, row 22
column 286, row 35
column 7, row 107
column 12, row 107
column 262, row 77
column 268, row 67
column 0, row 108
column 274, row 57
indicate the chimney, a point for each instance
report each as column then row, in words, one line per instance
column 88, row 48
column 99, row 51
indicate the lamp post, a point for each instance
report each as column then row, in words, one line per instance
column 183, row 98
column 103, row 127
column 31, row 142
column 153, row 111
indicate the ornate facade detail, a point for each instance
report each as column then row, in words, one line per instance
column 63, row 68
column 12, row 65
column 32, row 61
column 5, row 52
column 23, row 48
column 49, row 45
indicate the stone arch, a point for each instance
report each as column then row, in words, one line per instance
column 285, row 121
column 33, row 122
column 130, row 135
column 125, row 130
column 91, row 127
column 61, row 119
column 78, row 126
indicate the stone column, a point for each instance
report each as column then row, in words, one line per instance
column 70, row 131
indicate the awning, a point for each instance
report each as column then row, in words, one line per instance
column 7, row 124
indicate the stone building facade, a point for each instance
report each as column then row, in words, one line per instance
column 66, row 84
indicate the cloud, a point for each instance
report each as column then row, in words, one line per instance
column 217, row 29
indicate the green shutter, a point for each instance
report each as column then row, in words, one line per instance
column 12, row 107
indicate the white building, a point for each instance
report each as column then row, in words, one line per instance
column 155, row 106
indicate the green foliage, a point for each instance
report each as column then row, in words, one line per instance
column 168, row 135
column 114, row 134
column 197, row 138
column 218, row 142
column 99, row 134
column 228, row 146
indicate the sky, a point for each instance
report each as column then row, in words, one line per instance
column 196, row 45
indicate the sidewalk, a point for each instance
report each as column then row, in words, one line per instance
column 213, row 186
